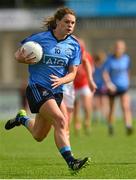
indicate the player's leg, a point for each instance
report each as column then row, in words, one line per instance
column 49, row 113
column 76, row 118
column 96, row 108
column 110, row 118
column 52, row 112
column 87, row 107
column 104, row 106
column 68, row 115
column 67, row 105
column 38, row 127
column 125, row 104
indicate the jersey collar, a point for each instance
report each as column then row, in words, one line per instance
column 58, row 40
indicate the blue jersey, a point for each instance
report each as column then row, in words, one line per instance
column 118, row 71
column 57, row 57
column 98, row 76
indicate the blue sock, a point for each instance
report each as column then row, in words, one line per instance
column 24, row 120
column 67, row 154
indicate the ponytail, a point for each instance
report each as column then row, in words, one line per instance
column 50, row 22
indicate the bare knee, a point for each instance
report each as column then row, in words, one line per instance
column 125, row 107
column 38, row 137
column 60, row 122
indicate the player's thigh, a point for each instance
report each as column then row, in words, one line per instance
column 96, row 102
column 86, row 101
column 104, row 100
column 76, row 106
column 69, row 99
column 51, row 111
column 64, row 109
column 68, row 112
column 65, row 112
column 111, row 101
column 104, row 103
column 41, row 127
column 86, row 97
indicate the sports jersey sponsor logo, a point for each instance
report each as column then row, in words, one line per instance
column 54, row 61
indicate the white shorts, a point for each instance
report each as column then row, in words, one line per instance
column 69, row 95
column 84, row 91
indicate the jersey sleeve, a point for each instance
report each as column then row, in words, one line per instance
column 129, row 64
column 106, row 65
column 33, row 37
column 76, row 57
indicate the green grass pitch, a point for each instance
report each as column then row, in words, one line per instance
column 112, row 157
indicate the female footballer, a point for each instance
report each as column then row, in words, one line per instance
column 116, row 77
column 46, row 78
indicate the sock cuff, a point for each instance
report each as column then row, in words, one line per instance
column 64, row 149
column 24, row 120
column 27, row 122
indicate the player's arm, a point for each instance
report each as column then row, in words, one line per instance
column 66, row 79
column 89, row 72
column 21, row 57
column 110, row 86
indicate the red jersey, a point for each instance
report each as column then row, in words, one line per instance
column 81, row 79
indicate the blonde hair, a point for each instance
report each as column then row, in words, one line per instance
column 50, row 22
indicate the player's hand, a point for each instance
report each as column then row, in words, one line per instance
column 22, row 57
column 56, row 81
column 92, row 86
column 111, row 87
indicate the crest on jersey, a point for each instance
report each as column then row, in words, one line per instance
column 68, row 52
column 45, row 93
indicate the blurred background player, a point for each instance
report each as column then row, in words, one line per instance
column 100, row 100
column 68, row 100
column 69, row 93
column 84, row 88
column 116, row 76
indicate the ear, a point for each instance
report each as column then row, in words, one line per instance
column 57, row 21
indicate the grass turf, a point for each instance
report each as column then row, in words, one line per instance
column 112, row 157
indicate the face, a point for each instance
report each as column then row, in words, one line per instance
column 66, row 25
column 120, row 48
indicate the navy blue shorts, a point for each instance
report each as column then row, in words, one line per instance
column 38, row 95
column 100, row 92
column 117, row 93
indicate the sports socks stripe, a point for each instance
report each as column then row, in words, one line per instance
column 67, row 154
